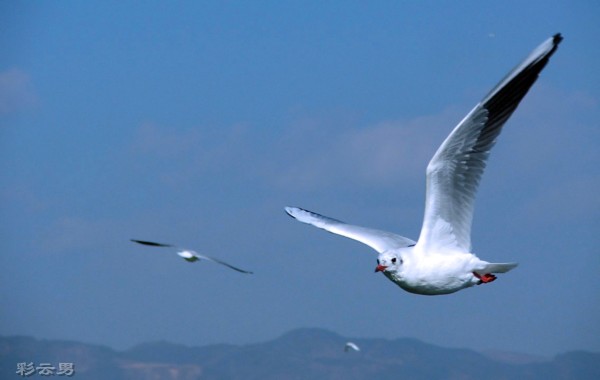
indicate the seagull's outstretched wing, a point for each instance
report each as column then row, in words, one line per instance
column 190, row 255
column 378, row 240
column 220, row 262
column 454, row 172
column 351, row 346
column 152, row 244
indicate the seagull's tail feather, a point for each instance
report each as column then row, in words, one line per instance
column 498, row 267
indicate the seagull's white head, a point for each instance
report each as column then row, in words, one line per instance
column 389, row 262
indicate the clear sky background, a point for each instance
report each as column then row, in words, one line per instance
column 195, row 123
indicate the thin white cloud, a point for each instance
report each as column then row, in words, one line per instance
column 554, row 148
column 393, row 153
column 179, row 155
column 569, row 203
column 386, row 154
column 152, row 139
column 314, row 153
column 308, row 153
column 23, row 196
column 72, row 233
column 16, row 91
column 548, row 121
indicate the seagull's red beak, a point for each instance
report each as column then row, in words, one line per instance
column 380, row 268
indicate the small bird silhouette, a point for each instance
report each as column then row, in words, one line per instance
column 189, row 255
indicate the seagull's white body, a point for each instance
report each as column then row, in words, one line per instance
column 351, row 346
column 441, row 262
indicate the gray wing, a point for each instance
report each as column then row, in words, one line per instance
column 220, row 262
column 454, row 172
column 378, row 240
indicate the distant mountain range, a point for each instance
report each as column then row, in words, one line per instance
column 299, row 354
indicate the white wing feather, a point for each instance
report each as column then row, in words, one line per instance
column 380, row 241
column 454, row 172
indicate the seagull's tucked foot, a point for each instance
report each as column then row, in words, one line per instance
column 484, row 278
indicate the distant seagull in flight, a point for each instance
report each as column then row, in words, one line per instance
column 351, row 346
column 441, row 261
column 189, row 255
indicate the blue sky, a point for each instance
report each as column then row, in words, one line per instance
column 196, row 123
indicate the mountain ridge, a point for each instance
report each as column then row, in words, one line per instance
column 307, row 353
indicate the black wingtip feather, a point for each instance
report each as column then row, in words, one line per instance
column 557, row 38
column 506, row 100
column 150, row 243
column 289, row 213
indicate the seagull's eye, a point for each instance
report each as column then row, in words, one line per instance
column 394, row 260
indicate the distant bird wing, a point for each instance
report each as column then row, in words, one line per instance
column 454, row 172
column 221, row 262
column 152, row 244
column 378, row 240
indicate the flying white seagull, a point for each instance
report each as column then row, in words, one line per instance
column 351, row 346
column 441, row 261
column 190, row 255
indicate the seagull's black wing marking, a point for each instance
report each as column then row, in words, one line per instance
column 150, row 243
